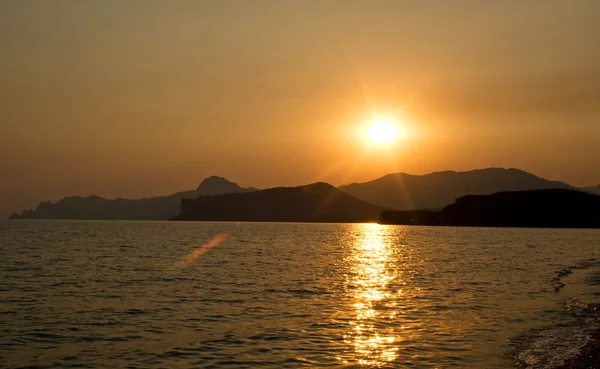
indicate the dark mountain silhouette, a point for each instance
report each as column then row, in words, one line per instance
column 434, row 191
column 556, row 208
column 593, row 189
column 318, row 202
column 153, row 208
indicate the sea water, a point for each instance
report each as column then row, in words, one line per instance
column 234, row 295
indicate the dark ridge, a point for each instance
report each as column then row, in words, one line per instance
column 593, row 189
column 317, row 202
column 537, row 208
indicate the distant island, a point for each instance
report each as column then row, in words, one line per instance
column 317, row 202
column 152, row 208
column 551, row 208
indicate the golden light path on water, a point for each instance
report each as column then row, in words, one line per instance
column 374, row 284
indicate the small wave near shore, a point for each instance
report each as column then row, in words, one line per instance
column 574, row 342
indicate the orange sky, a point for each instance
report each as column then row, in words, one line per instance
column 147, row 97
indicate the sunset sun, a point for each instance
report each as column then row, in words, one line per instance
column 383, row 132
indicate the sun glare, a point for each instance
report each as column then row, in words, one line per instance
column 382, row 132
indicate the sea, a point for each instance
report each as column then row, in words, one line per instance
column 112, row 294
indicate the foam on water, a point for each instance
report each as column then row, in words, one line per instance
column 560, row 345
column 550, row 348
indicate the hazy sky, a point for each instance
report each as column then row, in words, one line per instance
column 138, row 98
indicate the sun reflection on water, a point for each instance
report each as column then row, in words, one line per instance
column 372, row 282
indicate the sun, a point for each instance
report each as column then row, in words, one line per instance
column 382, row 131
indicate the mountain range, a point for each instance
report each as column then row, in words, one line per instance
column 152, row 208
column 403, row 191
column 317, row 202
column 399, row 191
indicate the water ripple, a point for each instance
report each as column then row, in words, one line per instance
column 106, row 294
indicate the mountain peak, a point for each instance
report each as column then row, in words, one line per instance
column 214, row 181
column 318, row 187
column 215, row 185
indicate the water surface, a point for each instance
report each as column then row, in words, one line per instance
column 112, row 294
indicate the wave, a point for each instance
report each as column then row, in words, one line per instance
column 572, row 343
